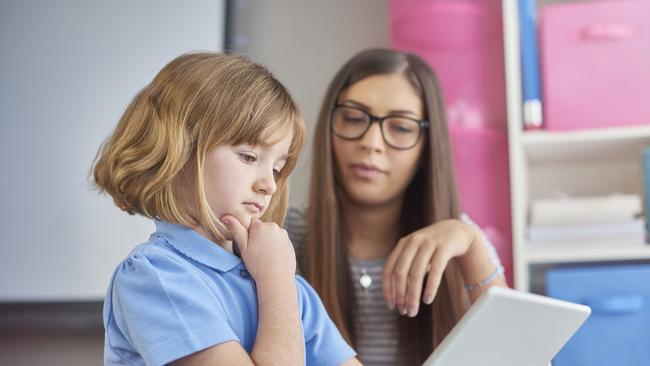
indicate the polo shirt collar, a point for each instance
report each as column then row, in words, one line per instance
column 196, row 246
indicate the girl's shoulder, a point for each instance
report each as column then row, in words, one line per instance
column 154, row 254
column 155, row 266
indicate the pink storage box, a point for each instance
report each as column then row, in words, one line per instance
column 595, row 59
column 481, row 162
column 463, row 41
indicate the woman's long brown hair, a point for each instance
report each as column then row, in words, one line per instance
column 430, row 197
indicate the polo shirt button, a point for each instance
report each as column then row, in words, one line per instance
column 244, row 273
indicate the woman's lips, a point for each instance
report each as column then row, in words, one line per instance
column 366, row 171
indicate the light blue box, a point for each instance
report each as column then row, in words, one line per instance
column 618, row 330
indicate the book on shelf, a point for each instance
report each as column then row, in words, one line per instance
column 530, row 78
column 646, row 186
column 566, row 210
column 621, row 233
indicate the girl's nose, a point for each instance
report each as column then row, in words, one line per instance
column 265, row 185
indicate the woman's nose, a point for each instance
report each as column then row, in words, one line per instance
column 373, row 139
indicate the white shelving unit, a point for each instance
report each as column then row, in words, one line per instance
column 580, row 163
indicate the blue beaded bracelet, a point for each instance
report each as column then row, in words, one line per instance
column 487, row 280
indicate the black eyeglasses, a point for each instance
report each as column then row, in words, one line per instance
column 399, row 132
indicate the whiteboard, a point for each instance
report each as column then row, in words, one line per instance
column 67, row 71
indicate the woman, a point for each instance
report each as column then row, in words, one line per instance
column 385, row 245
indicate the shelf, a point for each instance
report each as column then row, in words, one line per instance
column 559, row 253
column 589, row 145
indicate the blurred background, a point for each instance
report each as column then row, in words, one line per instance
column 549, row 119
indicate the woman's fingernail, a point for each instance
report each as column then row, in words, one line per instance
column 412, row 312
column 428, row 299
column 402, row 311
column 391, row 304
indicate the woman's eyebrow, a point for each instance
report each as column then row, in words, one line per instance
column 391, row 112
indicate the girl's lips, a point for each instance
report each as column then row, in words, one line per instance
column 254, row 207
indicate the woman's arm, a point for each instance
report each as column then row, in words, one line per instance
column 426, row 252
column 477, row 267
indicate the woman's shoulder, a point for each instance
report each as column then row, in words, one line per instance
column 296, row 226
column 466, row 218
column 296, row 217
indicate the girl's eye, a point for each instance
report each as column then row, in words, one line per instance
column 247, row 158
column 276, row 173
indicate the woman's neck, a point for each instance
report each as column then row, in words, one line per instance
column 372, row 231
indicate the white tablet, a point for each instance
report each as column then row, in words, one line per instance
column 505, row 327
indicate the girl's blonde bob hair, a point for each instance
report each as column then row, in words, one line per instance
column 196, row 102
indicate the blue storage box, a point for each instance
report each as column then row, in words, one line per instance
column 618, row 330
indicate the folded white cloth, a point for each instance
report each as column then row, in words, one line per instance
column 614, row 208
column 629, row 232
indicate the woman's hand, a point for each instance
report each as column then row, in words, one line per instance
column 265, row 249
column 425, row 252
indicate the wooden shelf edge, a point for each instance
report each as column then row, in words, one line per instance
column 587, row 253
column 534, row 138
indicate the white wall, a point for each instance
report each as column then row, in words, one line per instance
column 304, row 43
column 68, row 69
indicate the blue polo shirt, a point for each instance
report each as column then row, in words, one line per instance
column 180, row 293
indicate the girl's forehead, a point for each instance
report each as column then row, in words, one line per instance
column 277, row 139
column 275, row 133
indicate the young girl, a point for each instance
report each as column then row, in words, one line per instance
column 384, row 231
column 205, row 150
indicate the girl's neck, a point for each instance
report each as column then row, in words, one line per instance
column 225, row 244
column 372, row 231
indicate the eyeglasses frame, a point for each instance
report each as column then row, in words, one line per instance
column 422, row 124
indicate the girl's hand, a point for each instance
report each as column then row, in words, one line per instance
column 265, row 248
column 424, row 252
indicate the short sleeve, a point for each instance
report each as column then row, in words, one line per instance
column 165, row 309
column 324, row 345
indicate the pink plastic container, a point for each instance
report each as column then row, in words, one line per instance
column 462, row 40
column 481, row 162
column 595, row 59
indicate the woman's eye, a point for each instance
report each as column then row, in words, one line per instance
column 247, row 158
column 276, row 173
column 402, row 129
column 352, row 119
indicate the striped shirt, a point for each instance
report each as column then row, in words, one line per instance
column 376, row 325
